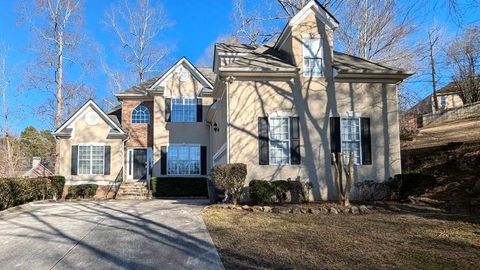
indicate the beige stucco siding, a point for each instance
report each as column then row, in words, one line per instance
column 85, row 134
column 219, row 138
column 250, row 100
column 166, row 133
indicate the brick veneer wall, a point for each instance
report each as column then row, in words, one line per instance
column 141, row 135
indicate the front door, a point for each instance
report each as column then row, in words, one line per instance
column 140, row 164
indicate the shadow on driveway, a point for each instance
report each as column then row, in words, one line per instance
column 156, row 234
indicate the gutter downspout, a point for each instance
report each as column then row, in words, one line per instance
column 229, row 80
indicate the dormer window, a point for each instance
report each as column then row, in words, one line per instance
column 312, row 57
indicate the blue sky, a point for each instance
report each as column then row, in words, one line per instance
column 197, row 24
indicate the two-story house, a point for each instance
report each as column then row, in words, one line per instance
column 280, row 109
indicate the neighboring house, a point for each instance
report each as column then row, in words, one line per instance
column 37, row 170
column 447, row 98
column 280, row 109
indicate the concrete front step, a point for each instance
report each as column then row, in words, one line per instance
column 132, row 191
column 132, row 197
column 134, row 183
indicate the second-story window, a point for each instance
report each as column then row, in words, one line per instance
column 141, row 115
column 312, row 57
column 184, row 110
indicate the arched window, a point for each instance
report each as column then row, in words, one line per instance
column 141, row 115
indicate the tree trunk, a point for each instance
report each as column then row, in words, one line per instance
column 432, row 66
column 59, row 82
column 337, row 178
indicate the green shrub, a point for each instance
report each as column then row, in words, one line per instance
column 179, row 187
column 261, row 191
column 16, row 191
column 295, row 188
column 58, row 183
column 230, row 178
column 82, row 191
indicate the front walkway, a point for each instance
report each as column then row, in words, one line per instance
column 156, row 234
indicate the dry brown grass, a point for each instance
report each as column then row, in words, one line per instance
column 251, row 240
column 458, row 130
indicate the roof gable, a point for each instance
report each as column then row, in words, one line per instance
column 190, row 67
column 89, row 104
column 320, row 12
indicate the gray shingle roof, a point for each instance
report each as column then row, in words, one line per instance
column 141, row 89
column 347, row 63
column 208, row 73
column 257, row 58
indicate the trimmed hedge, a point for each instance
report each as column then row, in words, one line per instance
column 230, row 178
column 262, row 191
column 17, row 191
column 179, row 187
column 82, row 191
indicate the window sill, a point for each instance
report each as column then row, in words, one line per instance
column 314, row 77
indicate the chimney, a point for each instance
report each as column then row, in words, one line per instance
column 36, row 161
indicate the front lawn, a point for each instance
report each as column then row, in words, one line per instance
column 247, row 240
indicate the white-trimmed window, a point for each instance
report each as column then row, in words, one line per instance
column 312, row 57
column 141, row 115
column 183, row 160
column 351, row 139
column 91, row 159
column 184, row 110
column 279, row 141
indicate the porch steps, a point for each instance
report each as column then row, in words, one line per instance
column 133, row 191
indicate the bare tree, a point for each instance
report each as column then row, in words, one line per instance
column 10, row 159
column 138, row 28
column 433, row 40
column 261, row 21
column 378, row 30
column 4, row 82
column 57, row 44
column 463, row 55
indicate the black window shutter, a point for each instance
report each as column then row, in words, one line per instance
column 263, row 141
column 199, row 110
column 74, row 160
column 203, row 160
column 163, row 160
column 335, row 139
column 168, row 109
column 107, row 160
column 366, row 141
column 294, row 141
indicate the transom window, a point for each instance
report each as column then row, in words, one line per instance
column 141, row 115
column 183, row 160
column 351, row 139
column 184, row 110
column 279, row 141
column 312, row 57
column 91, row 159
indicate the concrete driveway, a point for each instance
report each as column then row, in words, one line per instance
column 156, row 234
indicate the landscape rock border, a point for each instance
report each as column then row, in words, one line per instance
column 296, row 209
